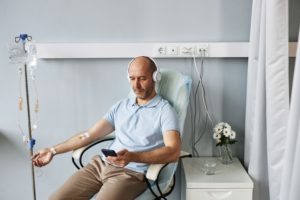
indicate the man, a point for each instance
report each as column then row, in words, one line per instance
column 147, row 132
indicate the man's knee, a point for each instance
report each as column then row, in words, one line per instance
column 56, row 196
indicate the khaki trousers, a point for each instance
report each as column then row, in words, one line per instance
column 111, row 183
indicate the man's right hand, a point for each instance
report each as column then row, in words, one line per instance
column 42, row 157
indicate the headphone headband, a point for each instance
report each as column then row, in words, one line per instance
column 156, row 76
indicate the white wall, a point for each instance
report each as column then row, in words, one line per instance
column 75, row 93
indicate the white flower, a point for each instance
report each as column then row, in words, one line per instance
column 217, row 136
column 227, row 126
column 223, row 134
column 232, row 135
column 226, row 132
column 218, row 129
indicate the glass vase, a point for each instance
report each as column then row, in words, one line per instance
column 226, row 154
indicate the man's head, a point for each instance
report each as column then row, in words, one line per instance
column 140, row 71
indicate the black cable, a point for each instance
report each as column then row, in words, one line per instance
column 157, row 184
column 150, row 187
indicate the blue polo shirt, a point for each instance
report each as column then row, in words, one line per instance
column 141, row 128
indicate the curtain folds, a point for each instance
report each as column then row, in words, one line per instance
column 291, row 170
column 267, row 104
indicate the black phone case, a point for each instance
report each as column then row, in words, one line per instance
column 109, row 152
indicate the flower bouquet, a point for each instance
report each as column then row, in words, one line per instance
column 224, row 136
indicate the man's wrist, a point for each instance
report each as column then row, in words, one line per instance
column 53, row 151
column 134, row 157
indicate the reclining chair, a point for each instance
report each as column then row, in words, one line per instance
column 174, row 87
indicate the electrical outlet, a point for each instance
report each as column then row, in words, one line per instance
column 202, row 50
column 161, row 50
column 172, row 50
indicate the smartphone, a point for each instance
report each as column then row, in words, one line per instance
column 109, row 152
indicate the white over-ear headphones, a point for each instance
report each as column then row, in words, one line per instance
column 156, row 76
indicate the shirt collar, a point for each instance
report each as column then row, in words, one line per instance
column 152, row 103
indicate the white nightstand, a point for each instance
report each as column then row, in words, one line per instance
column 231, row 182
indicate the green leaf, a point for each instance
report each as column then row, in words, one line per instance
column 219, row 144
column 232, row 141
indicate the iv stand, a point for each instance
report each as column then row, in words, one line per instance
column 23, row 38
column 30, row 133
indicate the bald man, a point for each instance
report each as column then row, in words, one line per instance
column 147, row 132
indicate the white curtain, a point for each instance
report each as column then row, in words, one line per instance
column 267, row 97
column 290, row 188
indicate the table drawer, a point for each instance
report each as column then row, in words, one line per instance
column 218, row 194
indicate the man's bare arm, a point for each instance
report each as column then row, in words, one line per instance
column 169, row 153
column 99, row 130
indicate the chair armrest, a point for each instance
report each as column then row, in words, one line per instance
column 154, row 169
column 184, row 154
column 78, row 152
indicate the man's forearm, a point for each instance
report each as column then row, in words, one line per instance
column 73, row 143
column 99, row 130
column 157, row 156
column 169, row 153
column 166, row 154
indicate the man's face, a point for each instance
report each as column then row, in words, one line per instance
column 140, row 77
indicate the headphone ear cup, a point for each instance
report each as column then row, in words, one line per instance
column 128, row 78
column 156, row 76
